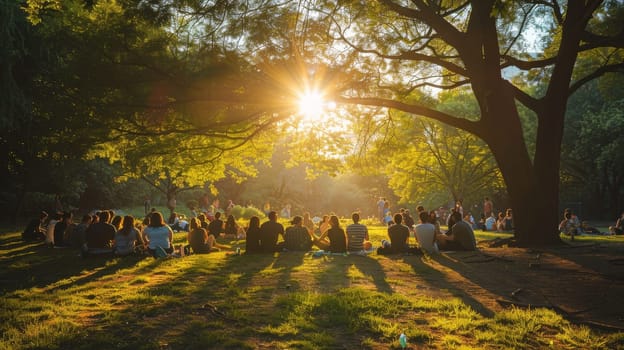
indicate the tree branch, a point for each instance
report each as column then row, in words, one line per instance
column 460, row 123
column 613, row 68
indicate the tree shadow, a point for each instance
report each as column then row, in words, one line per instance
column 441, row 281
column 37, row 265
column 371, row 268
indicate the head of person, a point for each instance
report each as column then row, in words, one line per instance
column 424, row 217
column 501, row 215
column 508, row 212
column 217, row 215
column 457, row 216
column 273, row 215
column 128, row 222
column 355, row 217
column 104, row 216
column 230, row 220
column 420, row 208
column 333, row 221
column 433, row 217
column 567, row 215
column 201, row 217
column 194, row 224
column 254, row 222
column 398, row 218
column 156, row 220
column 43, row 215
column 86, row 219
column 297, row 220
column 117, row 221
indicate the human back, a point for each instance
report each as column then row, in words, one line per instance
column 357, row 234
column 425, row 234
column 269, row 233
column 337, row 236
column 158, row 234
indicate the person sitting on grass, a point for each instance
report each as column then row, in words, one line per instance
column 200, row 241
column 252, row 239
column 399, row 238
column 128, row 238
column 177, row 223
column 297, row 237
column 357, row 235
column 269, row 233
column 334, row 239
column 232, row 229
column 567, row 226
column 35, row 230
column 425, row 233
column 77, row 238
column 324, row 225
column 60, row 230
column 618, row 229
column 99, row 235
column 157, row 235
column 215, row 227
column 490, row 222
column 459, row 237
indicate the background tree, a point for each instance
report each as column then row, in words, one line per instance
column 392, row 50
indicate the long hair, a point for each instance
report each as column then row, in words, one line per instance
column 127, row 225
column 195, row 224
column 254, row 222
column 333, row 221
column 156, row 219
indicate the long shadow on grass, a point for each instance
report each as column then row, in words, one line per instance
column 440, row 281
column 36, row 265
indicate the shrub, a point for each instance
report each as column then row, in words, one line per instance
column 246, row 213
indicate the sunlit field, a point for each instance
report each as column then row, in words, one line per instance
column 52, row 298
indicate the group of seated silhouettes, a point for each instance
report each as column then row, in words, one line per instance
column 104, row 232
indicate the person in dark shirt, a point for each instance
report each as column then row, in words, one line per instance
column 269, row 233
column 297, row 237
column 252, row 240
column 35, row 231
column 459, row 237
column 336, row 235
column 399, row 235
column 60, row 228
column 215, row 227
column 100, row 234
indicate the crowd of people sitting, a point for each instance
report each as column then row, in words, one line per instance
column 104, row 232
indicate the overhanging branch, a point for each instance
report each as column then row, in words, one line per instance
column 464, row 124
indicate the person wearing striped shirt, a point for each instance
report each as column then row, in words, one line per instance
column 357, row 234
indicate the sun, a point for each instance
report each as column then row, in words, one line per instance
column 311, row 105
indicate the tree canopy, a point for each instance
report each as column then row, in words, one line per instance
column 204, row 87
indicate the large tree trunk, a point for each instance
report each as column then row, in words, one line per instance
column 532, row 185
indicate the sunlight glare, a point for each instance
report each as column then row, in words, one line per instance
column 311, row 105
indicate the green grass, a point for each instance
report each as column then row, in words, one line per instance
column 52, row 299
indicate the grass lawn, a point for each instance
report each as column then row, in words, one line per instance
column 53, row 299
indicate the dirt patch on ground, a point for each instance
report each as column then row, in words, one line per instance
column 584, row 282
